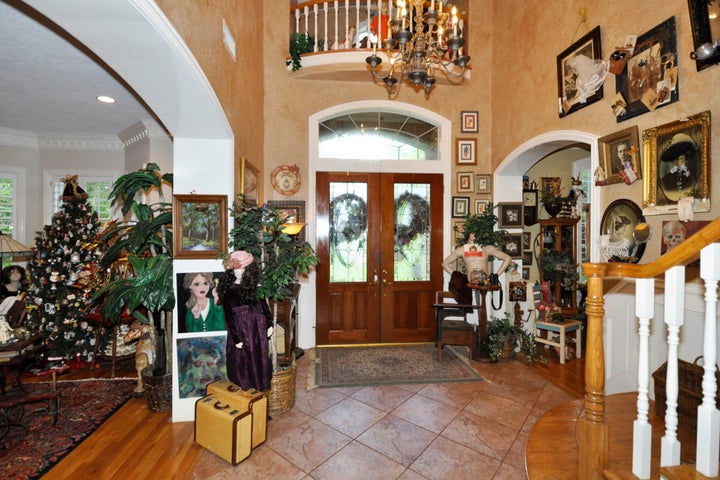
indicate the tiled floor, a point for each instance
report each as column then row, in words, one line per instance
column 458, row 431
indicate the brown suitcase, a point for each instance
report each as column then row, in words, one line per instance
column 252, row 400
column 223, row 428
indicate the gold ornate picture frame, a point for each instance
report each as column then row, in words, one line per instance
column 677, row 165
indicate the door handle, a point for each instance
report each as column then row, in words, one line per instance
column 375, row 279
column 385, row 282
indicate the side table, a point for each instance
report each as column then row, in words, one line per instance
column 15, row 355
column 481, row 351
column 96, row 319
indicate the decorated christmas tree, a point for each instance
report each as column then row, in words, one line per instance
column 62, row 273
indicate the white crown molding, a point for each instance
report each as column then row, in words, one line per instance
column 59, row 141
column 145, row 128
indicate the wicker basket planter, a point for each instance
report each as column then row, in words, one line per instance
column 689, row 391
column 281, row 396
column 158, row 390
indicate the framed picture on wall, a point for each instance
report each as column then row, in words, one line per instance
column 290, row 211
column 571, row 67
column 199, row 226
column 465, row 151
column 650, row 77
column 483, row 183
column 481, row 204
column 469, row 122
column 460, row 207
column 465, row 182
column 677, row 164
column 510, row 215
column 620, row 156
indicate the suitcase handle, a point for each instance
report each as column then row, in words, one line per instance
column 233, row 388
column 219, row 406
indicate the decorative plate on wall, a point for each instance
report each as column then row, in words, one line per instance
column 286, row 179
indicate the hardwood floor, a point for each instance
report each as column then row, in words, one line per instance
column 137, row 443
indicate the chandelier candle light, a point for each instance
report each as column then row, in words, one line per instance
column 435, row 44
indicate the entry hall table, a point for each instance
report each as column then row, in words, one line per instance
column 481, row 353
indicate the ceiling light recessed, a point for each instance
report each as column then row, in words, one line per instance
column 105, row 99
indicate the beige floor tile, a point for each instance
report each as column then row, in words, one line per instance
column 500, row 408
column 358, row 462
column 426, row 413
column 446, row 459
column 350, row 416
column 481, row 434
column 398, row 439
column 386, row 398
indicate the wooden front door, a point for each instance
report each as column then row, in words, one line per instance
column 379, row 240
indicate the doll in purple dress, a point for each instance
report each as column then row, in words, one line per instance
column 249, row 324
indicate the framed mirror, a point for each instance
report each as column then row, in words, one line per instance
column 705, row 22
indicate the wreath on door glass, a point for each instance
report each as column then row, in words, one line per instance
column 412, row 214
column 348, row 218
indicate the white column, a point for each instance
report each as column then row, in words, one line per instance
column 674, row 310
column 708, row 420
column 642, row 430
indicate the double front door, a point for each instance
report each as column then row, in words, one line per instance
column 379, row 240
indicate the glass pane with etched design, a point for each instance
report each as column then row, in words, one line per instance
column 348, row 232
column 412, row 232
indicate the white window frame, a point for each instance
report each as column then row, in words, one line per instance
column 54, row 176
column 18, row 176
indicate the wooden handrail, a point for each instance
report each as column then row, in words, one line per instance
column 593, row 447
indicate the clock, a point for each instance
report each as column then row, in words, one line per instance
column 530, row 198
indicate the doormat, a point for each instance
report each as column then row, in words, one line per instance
column 389, row 365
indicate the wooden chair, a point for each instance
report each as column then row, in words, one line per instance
column 451, row 323
column 554, row 334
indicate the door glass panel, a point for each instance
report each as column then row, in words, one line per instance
column 412, row 232
column 348, row 232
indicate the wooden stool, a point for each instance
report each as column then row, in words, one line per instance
column 557, row 335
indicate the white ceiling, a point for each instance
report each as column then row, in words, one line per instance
column 48, row 83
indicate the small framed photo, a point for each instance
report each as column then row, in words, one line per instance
column 481, row 205
column 527, row 258
column 469, row 122
column 460, row 207
column 550, row 187
column 526, row 240
column 513, row 245
column 483, row 183
column 458, row 232
column 676, row 160
column 518, row 291
column 620, row 157
column 290, row 211
column 526, row 273
column 199, row 226
column 465, row 182
column 510, row 215
column 466, row 148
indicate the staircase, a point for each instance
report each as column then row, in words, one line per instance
column 620, row 436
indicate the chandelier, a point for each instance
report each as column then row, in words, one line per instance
column 436, row 44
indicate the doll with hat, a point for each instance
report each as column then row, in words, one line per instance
column 248, row 321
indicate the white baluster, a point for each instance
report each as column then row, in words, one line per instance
column 326, row 45
column 337, row 30
column 674, row 311
column 642, row 430
column 708, row 419
column 297, row 21
column 357, row 22
column 369, row 26
column 307, row 19
column 316, row 9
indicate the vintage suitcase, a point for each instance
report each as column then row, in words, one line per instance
column 254, row 401
column 223, row 428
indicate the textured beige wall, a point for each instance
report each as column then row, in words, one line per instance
column 238, row 85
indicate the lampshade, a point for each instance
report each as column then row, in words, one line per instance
column 292, row 228
column 12, row 248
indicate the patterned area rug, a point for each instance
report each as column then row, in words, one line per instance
column 389, row 365
column 28, row 452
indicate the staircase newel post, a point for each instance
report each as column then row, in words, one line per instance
column 593, row 447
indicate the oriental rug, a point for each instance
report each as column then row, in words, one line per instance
column 27, row 452
column 389, row 365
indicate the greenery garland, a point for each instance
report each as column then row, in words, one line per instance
column 355, row 209
column 419, row 215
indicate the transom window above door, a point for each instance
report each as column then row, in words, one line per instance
column 377, row 135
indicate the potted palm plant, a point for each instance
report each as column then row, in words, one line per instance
column 142, row 243
column 282, row 255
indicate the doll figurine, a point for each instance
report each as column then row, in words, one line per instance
column 249, row 324
column 14, row 281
